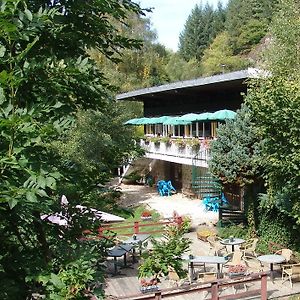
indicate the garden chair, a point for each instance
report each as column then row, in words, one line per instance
column 173, row 277
column 206, row 277
column 235, row 260
column 290, row 271
column 215, row 245
column 286, row 253
column 249, row 247
column 253, row 265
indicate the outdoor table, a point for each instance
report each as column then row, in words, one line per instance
column 271, row 259
column 118, row 251
column 218, row 260
column 136, row 240
column 232, row 242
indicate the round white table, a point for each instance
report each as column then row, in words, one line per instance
column 232, row 242
column 218, row 260
column 271, row 259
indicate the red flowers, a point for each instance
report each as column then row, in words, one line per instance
column 146, row 214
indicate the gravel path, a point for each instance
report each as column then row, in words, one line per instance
column 134, row 195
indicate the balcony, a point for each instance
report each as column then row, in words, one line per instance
column 188, row 151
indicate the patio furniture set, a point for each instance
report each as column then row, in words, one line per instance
column 127, row 246
column 245, row 257
column 237, row 262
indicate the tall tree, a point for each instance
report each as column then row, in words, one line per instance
column 234, row 153
column 274, row 102
column 219, row 58
column 45, row 78
column 247, row 22
column 137, row 68
column 201, row 27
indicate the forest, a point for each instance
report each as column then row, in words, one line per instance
column 213, row 41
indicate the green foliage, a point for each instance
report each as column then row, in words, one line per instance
column 165, row 253
column 234, row 152
column 247, row 22
column 179, row 69
column 136, row 68
column 276, row 227
column 282, row 57
column 70, row 282
column 46, row 77
column 219, row 58
column 233, row 230
column 275, row 106
column 201, row 27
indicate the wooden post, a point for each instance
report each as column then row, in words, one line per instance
column 264, row 289
column 100, row 232
column 214, row 291
column 136, row 227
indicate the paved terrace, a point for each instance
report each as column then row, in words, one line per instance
column 128, row 284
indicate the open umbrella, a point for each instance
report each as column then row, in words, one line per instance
column 189, row 117
column 223, row 115
column 132, row 121
column 176, row 121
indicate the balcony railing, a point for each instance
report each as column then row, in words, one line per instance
column 185, row 148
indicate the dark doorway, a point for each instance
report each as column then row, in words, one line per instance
column 176, row 175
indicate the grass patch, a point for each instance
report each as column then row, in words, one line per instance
column 135, row 215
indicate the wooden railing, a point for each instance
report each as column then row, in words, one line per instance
column 213, row 287
column 136, row 227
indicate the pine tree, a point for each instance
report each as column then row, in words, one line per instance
column 201, row 27
column 247, row 22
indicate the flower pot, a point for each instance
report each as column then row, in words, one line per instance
column 149, row 288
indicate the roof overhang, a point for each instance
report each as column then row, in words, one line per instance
column 204, row 84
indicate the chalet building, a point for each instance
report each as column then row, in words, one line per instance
column 180, row 121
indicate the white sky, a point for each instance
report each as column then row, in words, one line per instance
column 169, row 16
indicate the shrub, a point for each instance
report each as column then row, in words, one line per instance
column 238, row 231
column 276, row 227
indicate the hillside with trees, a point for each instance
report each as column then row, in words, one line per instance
column 213, row 41
column 263, row 141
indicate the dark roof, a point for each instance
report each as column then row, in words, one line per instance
column 233, row 80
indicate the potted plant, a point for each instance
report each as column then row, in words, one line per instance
column 237, row 270
column 181, row 143
column 149, row 286
column 146, row 215
column 167, row 140
column 194, row 143
column 155, row 140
